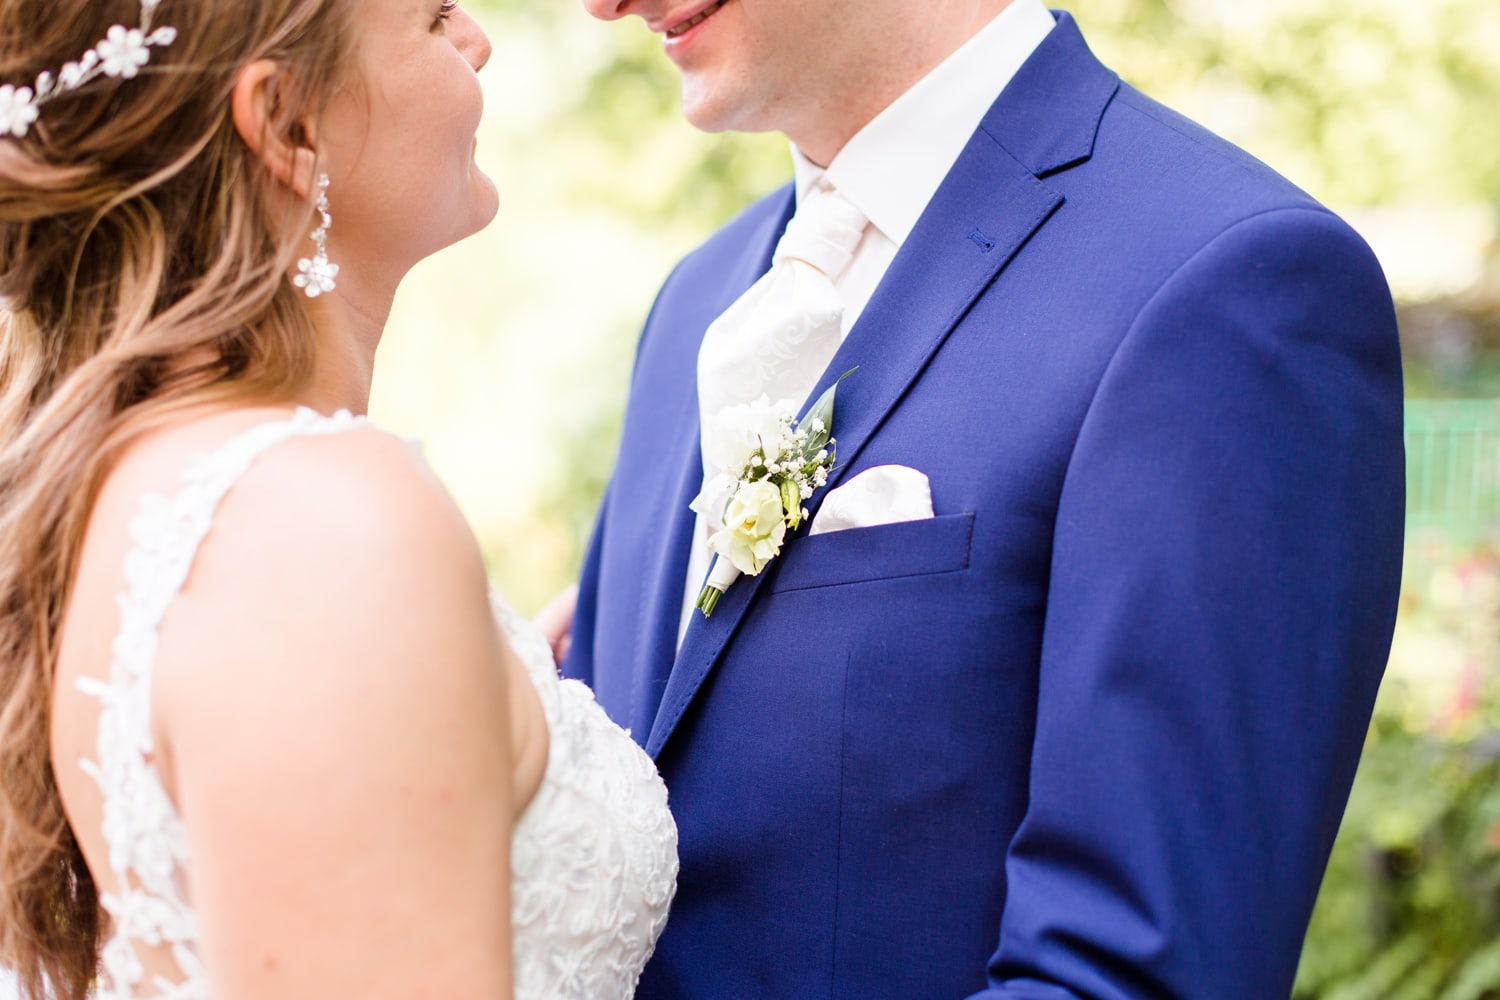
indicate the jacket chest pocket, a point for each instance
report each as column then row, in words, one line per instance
column 884, row 552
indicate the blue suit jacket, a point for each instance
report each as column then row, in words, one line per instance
column 1090, row 730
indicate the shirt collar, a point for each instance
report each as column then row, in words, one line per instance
column 893, row 166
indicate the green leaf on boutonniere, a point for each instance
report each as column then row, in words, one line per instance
column 819, row 419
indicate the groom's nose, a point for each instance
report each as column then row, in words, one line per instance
column 608, row 10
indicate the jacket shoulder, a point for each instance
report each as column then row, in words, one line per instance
column 1138, row 121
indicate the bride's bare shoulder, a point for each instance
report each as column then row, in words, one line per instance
column 331, row 703
column 337, row 565
column 320, row 537
column 343, row 478
column 335, row 562
column 157, row 460
column 335, row 507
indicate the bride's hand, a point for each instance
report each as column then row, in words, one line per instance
column 555, row 621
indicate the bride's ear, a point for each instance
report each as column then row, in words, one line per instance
column 254, row 107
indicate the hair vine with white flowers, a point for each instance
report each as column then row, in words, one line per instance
column 121, row 54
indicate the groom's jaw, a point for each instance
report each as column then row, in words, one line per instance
column 677, row 26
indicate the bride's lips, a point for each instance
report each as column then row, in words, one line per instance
column 680, row 29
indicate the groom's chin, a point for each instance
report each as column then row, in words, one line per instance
column 712, row 110
column 700, row 108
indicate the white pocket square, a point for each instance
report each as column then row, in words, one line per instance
column 885, row 494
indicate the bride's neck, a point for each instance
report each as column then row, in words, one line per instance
column 349, row 322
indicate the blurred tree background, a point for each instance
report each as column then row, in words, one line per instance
column 509, row 356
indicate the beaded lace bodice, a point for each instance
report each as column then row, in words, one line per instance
column 594, row 856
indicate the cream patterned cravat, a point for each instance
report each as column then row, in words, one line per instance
column 776, row 339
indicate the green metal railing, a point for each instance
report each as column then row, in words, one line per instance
column 1453, row 466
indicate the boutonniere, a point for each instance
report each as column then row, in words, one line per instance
column 769, row 464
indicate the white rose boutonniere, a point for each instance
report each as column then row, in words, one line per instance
column 755, row 497
column 757, row 525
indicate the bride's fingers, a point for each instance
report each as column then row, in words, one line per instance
column 555, row 621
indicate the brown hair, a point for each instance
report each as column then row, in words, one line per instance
column 141, row 272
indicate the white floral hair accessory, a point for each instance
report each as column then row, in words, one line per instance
column 121, row 53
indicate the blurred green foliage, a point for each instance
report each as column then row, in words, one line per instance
column 1410, row 906
column 1362, row 102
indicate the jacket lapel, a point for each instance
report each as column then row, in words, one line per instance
column 662, row 610
column 668, row 557
column 988, row 206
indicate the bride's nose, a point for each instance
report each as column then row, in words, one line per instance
column 472, row 42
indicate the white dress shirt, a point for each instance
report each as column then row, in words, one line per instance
column 893, row 166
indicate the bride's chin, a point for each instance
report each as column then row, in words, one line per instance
column 487, row 204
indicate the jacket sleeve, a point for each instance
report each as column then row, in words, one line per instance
column 1224, row 577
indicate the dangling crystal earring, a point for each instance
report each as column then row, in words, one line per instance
column 318, row 274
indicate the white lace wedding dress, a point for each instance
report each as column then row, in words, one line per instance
column 594, row 856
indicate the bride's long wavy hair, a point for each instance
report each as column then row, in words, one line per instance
column 142, row 271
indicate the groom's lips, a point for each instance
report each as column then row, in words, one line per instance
column 682, row 26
